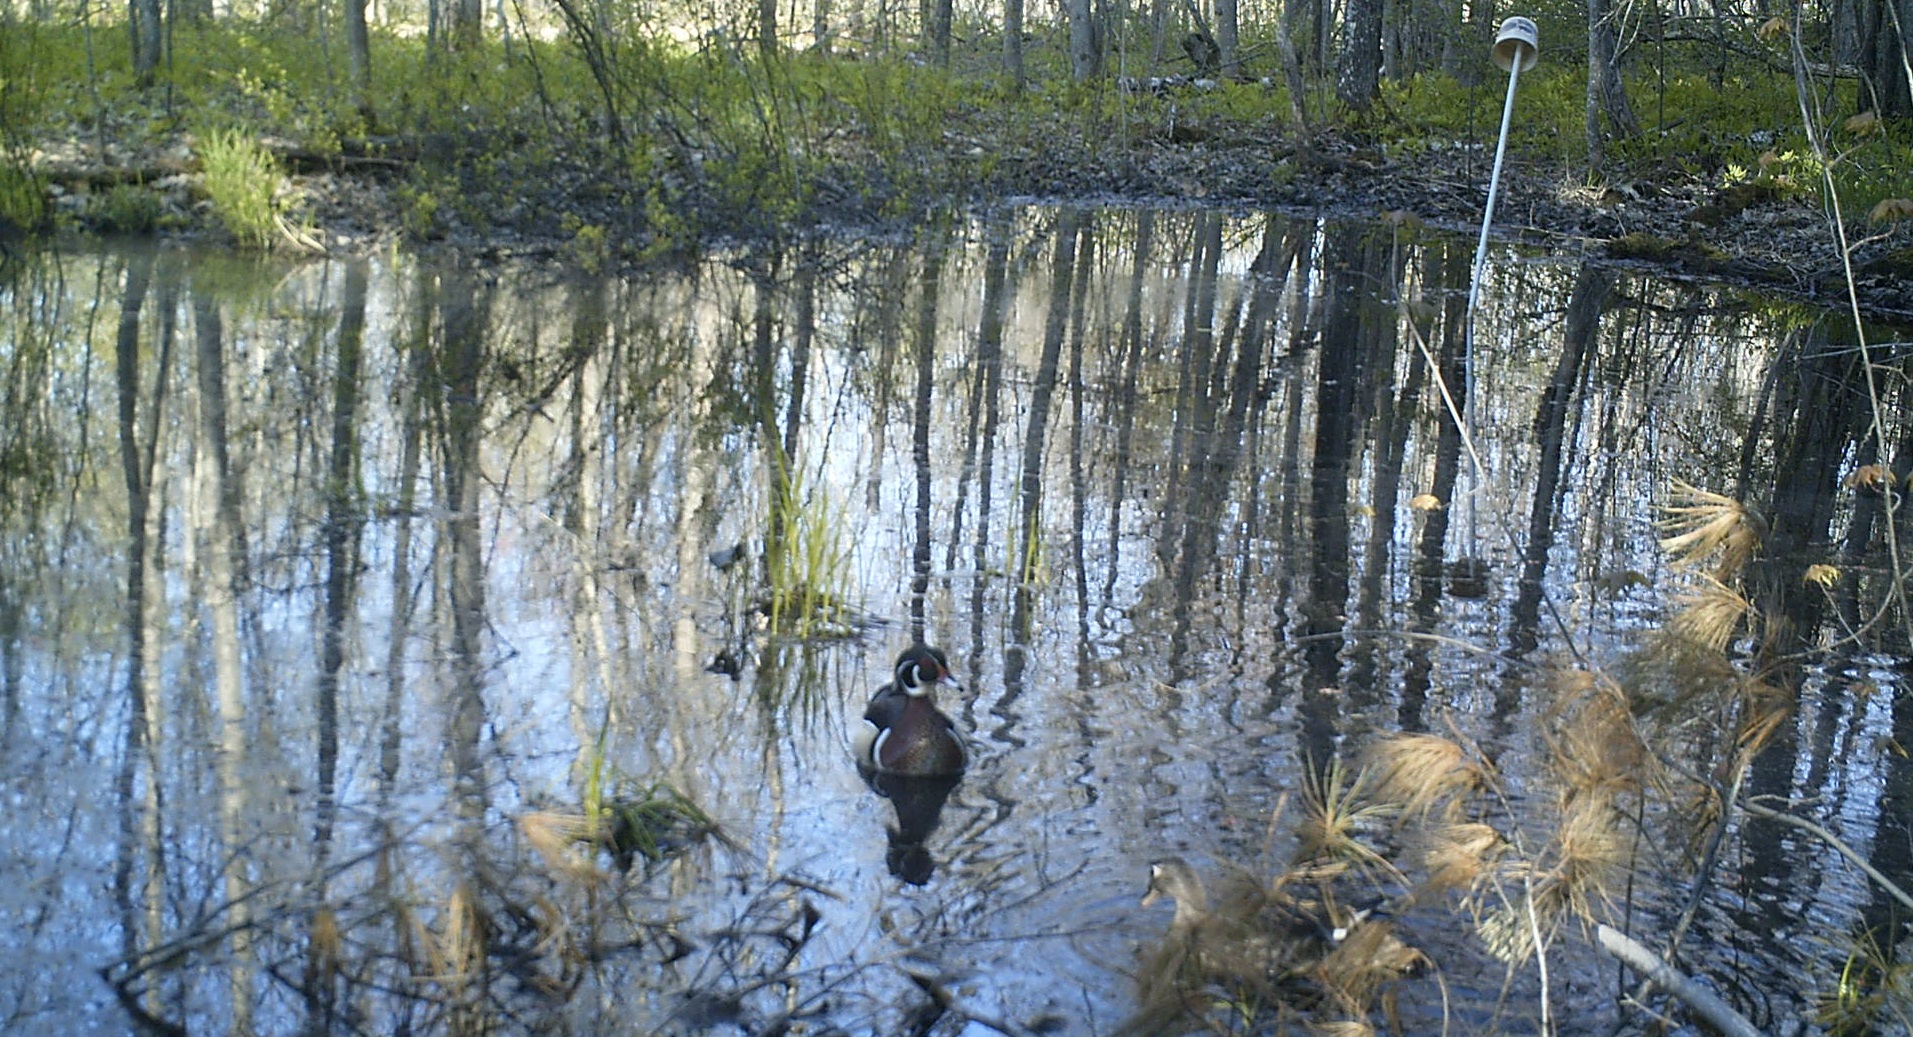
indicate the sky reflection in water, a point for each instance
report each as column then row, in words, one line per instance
column 1158, row 482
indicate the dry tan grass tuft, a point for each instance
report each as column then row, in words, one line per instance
column 1508, row 934
column 1710, row 614
column 1336, row 807
column 1595, row 748
column 1705, row 524
column 458, row 952
column 1418, row 772
column 325, row 946
column 1870, row 477
column 1822, row 574
column 1458, row 855
column 1369, row 957
column 1891, row 210
column 1598, row 753
column 557, row 836
column 1765, row 709
column 1865, row 124
column 1588, row 859
column 1599, row 762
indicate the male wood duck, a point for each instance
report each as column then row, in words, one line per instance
column 904, row 732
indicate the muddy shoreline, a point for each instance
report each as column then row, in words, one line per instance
column 1761, row 237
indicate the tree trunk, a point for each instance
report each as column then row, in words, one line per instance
column 1607, row 95
column 588, row 33
column 1085, row 56
column 1322, row 34
column 1055, row 324
column 465, row 307
column 767, row 27
column 1013, row 44
column 143, row 22
column 1292, row 74
column 936, row 31
column 410, row 408
column 1228, row 24
column 358, row 58
column 219, row 522
column 1461, row 54
column 921, row 450
column 820, row 26
column 341, row 533
column 590, row 640
column 1158, row 35
column 139, row 872
column 1883, row 54
column 1358, row 74
column 468, row 24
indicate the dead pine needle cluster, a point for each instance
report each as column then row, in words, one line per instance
column 1703, row 525
column 1318, row 947
column 1712, row 540
column 1415, row 835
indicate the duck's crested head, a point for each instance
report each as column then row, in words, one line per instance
column 920, row 667
column 1172, row 877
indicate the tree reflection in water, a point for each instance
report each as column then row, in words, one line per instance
column 390, row 555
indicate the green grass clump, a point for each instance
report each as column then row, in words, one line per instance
column 809, row 563
column 23, row 196
column 128, row 209
column 243, row 182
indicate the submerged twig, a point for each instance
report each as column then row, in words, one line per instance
column 947, row 1001
column 1820, row 832
column 1717, row 1012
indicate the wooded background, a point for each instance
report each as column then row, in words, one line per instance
column 1355, row 43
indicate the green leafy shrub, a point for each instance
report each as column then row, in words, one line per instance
column 243, row 182
column 587, row 246
column 418, row 210
column 1787, row 173
column 22, row 196
column 128, row 209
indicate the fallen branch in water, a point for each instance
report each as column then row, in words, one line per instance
column 1756, row 808
column 1710, row 1007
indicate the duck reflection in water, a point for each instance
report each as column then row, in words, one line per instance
column 909, row 752
column 919, row 801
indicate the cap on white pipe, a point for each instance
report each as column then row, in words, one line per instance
column 1518, row 38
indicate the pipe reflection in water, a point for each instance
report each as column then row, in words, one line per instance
column 1165, row 459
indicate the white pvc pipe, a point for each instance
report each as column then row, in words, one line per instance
column 1494, row 188
column 1520, row 33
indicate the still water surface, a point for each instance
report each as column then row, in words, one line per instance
column 328, row 587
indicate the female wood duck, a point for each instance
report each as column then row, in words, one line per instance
column 904, row 732
column 1250, row 937
column 1258, row 944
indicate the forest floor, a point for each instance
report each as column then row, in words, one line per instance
column 1769, row 236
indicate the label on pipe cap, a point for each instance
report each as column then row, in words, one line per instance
column 1518, row 37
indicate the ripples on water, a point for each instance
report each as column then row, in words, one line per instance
column 321, row 579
